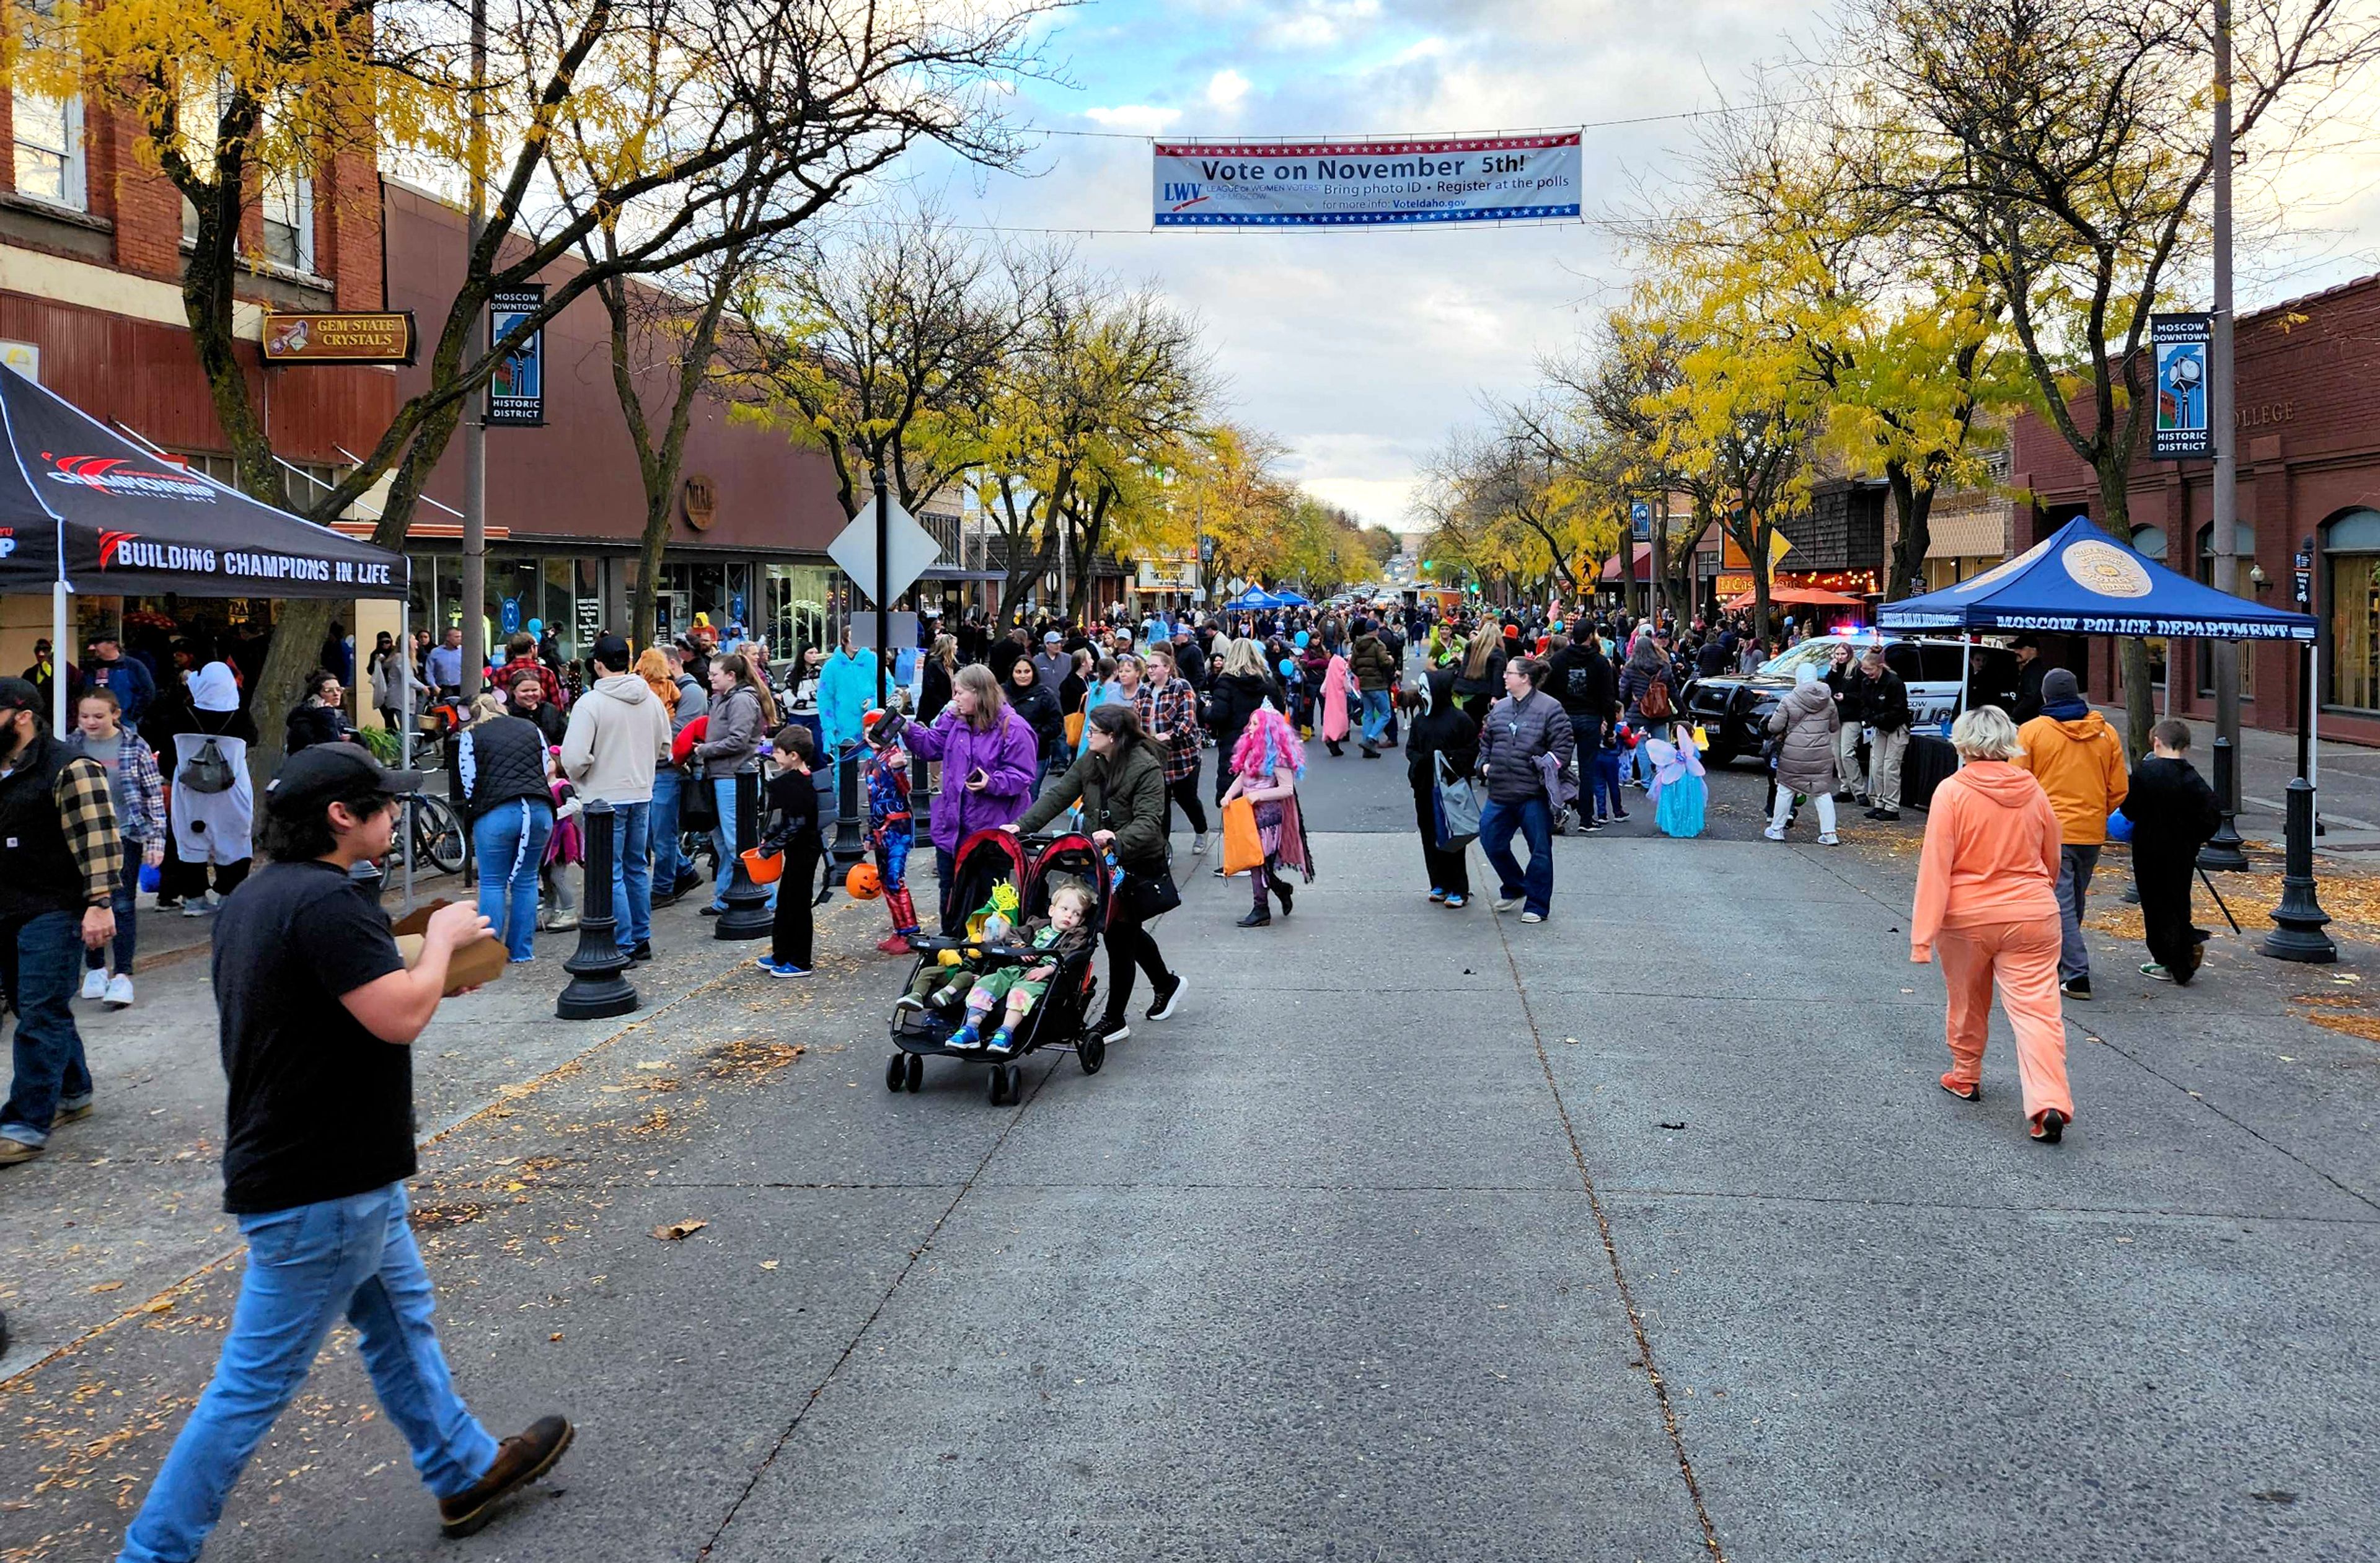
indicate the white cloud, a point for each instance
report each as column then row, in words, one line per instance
column 1320, row 24
column 1139, row 119
column 1226, row 89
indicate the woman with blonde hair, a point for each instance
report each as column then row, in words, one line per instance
column 1987, row 902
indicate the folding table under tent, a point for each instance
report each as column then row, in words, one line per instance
column 84, row 509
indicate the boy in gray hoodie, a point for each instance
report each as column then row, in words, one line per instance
column 619, row 733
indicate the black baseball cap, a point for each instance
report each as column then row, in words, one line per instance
column 612, row 650
column 17, row 695
column 314, row 776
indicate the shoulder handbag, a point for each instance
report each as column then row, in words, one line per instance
column 1149, row 896
column 698, row 805
column 1454, row 809
column 208, row 771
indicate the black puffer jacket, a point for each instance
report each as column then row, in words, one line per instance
column 1514, row 734
column 1230, row 700
column 1037, row 703
column 498, row 759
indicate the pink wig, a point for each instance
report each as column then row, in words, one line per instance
column 1266, row 745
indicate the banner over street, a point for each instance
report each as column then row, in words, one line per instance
column 1327, row 184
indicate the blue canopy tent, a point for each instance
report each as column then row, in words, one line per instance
column 2081, row 581
column 1287, row 599
column 1252, row 599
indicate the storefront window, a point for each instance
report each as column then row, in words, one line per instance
column 2244, row 540
column 797, row 606
column 2150, row 542
column 2352, row 598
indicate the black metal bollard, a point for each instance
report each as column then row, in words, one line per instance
column 747, row 914
column 598, row 986
column 850, row 841
column 2299, row 917
column 2222, row 850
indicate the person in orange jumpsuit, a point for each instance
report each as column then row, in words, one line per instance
column 1988, row 902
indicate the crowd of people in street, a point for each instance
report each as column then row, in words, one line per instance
column 1516, row 726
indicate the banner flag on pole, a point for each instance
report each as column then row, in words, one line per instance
column 1311, row 184
column 1779, row 545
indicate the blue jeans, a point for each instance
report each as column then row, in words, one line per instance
column 1536, row 822
column 307, row 1267
column 1376, row 714
column 127, row 934
column 632, row 876
column 724, row 789
column 41, row 962
column 1604, row 782
column 510, row 842
column 664, row 826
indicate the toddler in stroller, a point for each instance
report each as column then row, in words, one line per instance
column 1014, row 985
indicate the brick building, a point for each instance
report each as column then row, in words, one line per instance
column 2308, row 419
column 90, row 305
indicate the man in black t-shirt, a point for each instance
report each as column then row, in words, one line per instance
column 318, row 1014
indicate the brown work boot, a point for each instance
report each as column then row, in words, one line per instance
column 520, row 1459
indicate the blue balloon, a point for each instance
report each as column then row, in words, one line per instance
column 536, row 626
column 2119, row 826
column 1288, row 667
column 1300, row 638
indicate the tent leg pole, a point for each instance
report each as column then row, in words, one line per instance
column 59, row 693
column 405, row 729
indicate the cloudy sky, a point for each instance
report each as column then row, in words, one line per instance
column 1364, row 349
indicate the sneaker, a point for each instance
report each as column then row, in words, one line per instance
column 14, row 1151
column 1533, row 917
column 2050, row 1127
column 94, row 982
column 1001, row 1045
column 965, row 1039
column 2155, row 973
column 787, row 969
column 1371, row 753
column 71, row 1112
column 2078, row 989
column 908, row 1002
column 120, row 992
column 1436, row 894
column 1167, row 993
column 194, row 908
column 1111, row 1028
column 1618, row 814
column 1887, row 814
column 520, row 1459
column 1772, row 833
column 897, row 945
column 1591, row 827
column 640, row 950
column 713, row 910
column 1828, row 838
column 1457, row 902
column 1507, row 903
column 1198, row 844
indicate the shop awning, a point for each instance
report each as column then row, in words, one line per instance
column 81, row 504
column 1797, row 597
column 2081, row 581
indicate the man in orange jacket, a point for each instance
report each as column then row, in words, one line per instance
column 2079, row 761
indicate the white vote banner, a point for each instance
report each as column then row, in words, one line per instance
column 1330, row 184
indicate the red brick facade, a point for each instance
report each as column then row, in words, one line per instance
column 2308, row 414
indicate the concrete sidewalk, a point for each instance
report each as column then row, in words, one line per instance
column 1643, row 1233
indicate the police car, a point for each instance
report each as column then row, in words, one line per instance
column 1732, row 708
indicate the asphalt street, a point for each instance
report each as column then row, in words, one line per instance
column 1643, row 1233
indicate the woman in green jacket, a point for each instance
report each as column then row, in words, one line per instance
column 1120, row 782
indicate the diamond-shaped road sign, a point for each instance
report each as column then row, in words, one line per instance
column 909, row 549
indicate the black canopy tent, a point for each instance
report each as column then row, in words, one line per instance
column 84, row 509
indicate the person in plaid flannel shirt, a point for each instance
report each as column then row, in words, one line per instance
column 1169, row 714
column 60, row 853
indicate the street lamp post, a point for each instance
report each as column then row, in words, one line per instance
column 2224, row 849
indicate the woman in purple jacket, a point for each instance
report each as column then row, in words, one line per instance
column 989, row 759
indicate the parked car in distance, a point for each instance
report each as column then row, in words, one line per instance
column 1733, row 707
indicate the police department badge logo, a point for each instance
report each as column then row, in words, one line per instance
column 2105, row 569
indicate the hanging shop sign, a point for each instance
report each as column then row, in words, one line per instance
column 381, row 337
column 2184, row 385
column 517, row 390
column 1332, row 183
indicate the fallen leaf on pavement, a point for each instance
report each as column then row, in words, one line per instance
column 109, row 1286
column 652, row 1063
column 767, row 1264
column 157, row 1305
column 555, row 1336
column 678, row 1231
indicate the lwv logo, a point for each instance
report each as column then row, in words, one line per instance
column 1181, row 195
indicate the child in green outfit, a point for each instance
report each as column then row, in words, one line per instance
column 1065, row 932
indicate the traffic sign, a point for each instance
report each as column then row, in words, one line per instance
column 909, row 549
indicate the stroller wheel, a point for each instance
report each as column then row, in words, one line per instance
column 896, row 1070
column 917, row 1072
column 1015, row 1083
column 1091, row 1052
column 996, row 1090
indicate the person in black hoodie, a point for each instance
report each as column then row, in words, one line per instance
column 2173, row 812
column 1579, row 678
column 1439, row 726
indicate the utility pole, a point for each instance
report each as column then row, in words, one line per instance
column 884, row 572
column 2223, row 852
column 474, row 348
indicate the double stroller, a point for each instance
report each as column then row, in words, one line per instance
column 1032, row 864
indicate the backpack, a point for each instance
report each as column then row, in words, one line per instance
column 1655, row 701
column 208, row 771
